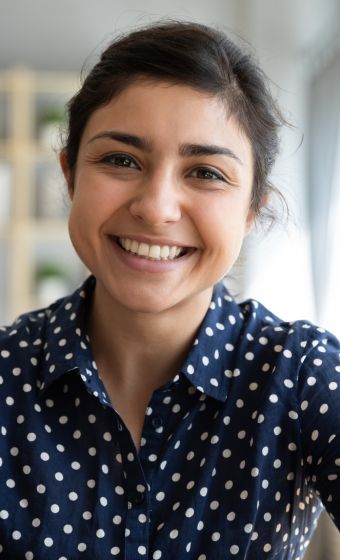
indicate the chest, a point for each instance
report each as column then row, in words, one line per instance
column 203, row 477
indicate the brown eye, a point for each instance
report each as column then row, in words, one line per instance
column 120, row 160
column 207, row 174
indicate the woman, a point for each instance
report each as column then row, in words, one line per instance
column 149, row 415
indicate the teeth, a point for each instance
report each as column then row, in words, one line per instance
column 165, row 252
column 155, row 252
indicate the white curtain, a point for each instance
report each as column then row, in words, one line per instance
column 324, row 187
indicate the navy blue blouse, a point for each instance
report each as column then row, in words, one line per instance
column 239, row 451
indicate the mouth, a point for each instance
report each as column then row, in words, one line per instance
column 152, row 252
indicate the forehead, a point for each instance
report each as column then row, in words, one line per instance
column 170, row 112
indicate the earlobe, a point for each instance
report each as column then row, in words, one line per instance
column 63, row 160
column 250, row 222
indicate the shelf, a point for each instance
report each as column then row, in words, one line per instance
column 34, row 201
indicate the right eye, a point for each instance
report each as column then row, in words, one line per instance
column 120, row 160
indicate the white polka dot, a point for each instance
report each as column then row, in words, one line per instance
column 234, row 549
column 100, row 533
column 214, row 505
column 288, row 383
column 315, row 435
column 173, row 534
column 311, row 380
column 67, row 529
column 287, row 353
column 48, row 542
column 323, row 408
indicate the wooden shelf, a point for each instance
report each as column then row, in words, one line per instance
column 29, row 237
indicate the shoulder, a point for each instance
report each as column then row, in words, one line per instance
column 260, row 336
column 26, row 329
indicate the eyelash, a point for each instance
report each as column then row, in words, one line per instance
column 110, row 160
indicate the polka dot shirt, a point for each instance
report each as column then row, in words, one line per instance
column 240, row 451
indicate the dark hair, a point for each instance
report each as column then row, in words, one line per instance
column 190, row 54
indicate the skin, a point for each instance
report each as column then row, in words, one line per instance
column 159, row 190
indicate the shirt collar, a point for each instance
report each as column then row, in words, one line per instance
column 207, row 367
column 213, row 355
column 66, row 347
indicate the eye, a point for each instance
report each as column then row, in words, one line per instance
column 120, row 160
column 207, row 174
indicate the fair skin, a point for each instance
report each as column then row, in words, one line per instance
column 165, row 166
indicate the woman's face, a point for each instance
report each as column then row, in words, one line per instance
column 161, row 195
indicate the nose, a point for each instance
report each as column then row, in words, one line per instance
column 157, row 200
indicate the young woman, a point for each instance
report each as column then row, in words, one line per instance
column 149, row 415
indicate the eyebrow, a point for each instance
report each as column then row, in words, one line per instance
column 185, row 150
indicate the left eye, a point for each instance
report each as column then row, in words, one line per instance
column 120, row 160
column 207, row 174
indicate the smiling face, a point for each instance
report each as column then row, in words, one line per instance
column 161, row 196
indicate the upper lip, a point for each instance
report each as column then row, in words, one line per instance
column 152, row 240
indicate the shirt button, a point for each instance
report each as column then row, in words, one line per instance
column 138, row 498
column 157, row 422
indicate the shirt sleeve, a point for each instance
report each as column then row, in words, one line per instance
column 319, row 404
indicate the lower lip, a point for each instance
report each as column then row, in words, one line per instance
column 147, row 265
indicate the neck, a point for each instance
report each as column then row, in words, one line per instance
column 134, row 349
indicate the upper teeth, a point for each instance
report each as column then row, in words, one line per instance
column 156, row 252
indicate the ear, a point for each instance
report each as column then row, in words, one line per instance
column 251, row 217
column 63, row 160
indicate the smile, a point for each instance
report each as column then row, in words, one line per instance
column 152, row 252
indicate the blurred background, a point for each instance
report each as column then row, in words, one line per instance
column 294, row 269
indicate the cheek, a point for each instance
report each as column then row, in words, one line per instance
column 222, row 225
